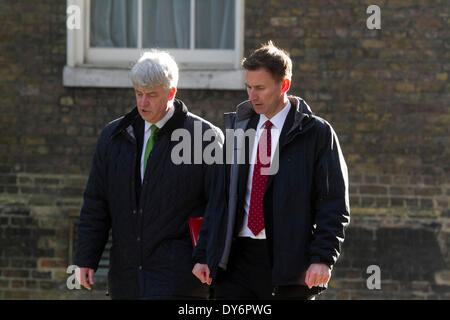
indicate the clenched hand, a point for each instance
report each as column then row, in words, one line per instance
column 86, row 278
column 317, row 274
column 201, row 271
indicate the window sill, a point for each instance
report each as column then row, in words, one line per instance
column 95, row 77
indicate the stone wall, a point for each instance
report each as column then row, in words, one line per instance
column 386, row 93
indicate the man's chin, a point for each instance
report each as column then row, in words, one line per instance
column 259, row 109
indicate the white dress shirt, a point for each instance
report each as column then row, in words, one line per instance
column 278, row 122
column 148, row 132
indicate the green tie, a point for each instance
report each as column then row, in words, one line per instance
column 150, row 143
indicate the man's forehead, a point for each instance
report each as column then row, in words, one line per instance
column 148, row 90
column 259, row 77
column 258, row 82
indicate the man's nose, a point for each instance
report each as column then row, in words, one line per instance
column 252, row 96
column 144, row 100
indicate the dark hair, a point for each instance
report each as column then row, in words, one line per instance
column 273, row 59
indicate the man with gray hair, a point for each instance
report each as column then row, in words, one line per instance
column 137, row 191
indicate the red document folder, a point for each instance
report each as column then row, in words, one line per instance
column 194, row 227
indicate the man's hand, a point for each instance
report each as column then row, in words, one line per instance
column 201, row 271
column 86, row 278
column 317, row 274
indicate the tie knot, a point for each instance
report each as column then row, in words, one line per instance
column 268, row 125
column 153, row 128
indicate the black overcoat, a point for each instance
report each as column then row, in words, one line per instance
column 151, row 254
column 306, row 203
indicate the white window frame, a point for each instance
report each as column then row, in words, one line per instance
column 109, row 67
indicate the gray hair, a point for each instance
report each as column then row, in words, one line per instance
column 155, row 68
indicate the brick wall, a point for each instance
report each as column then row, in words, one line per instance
column 384, row 91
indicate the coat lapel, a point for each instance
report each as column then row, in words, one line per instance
column 244, row 168
column 286, row 127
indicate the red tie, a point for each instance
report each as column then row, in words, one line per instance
column 255, row 214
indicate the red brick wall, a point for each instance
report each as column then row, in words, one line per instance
column 384, row 91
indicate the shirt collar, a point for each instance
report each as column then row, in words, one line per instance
column 163, row 121
column 278, row 119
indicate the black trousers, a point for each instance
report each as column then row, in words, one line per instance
column 158, row 286
column 249, row 276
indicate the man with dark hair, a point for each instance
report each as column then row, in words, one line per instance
column 276, row 227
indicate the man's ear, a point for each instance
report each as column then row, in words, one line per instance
column 285, row 85
column 172, row 93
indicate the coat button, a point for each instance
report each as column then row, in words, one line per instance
column 140, row 267
column 138, row 239
column 140, row 211
column 134, row 211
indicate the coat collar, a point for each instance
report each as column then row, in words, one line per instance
column 302, row 116
column 175, row 122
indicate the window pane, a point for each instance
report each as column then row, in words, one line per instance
column 114, row 23
column 214, row 25
column 166, row 23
